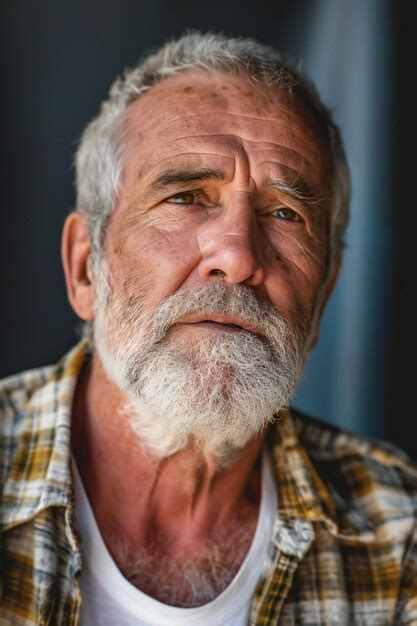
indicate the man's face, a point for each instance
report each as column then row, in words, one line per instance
column 225, row 185
column 168, row 236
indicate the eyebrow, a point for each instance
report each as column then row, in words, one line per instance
column 297, row 189
column 173, row 177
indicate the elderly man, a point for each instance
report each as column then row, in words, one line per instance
column 156, row 475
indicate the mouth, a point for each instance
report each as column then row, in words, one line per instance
column 218, row 322
column 227, row 328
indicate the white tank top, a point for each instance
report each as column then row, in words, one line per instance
column 109, row 599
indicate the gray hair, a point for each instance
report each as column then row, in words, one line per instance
column 99, row 158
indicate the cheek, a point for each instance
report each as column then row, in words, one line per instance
column 295, row 271
column 156, row 261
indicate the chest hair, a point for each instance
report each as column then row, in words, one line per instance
column 192, row 580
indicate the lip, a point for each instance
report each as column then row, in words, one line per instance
column 219, row 321
column 216, row 326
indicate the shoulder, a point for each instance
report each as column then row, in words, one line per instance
column 17, row 390
column 373, row 477
column 15, row 394
column 319, row 435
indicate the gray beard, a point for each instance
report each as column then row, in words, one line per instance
column 218, row 390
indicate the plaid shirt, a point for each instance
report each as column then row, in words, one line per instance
column 344, row 541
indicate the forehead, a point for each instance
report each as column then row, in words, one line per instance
column 219, row 117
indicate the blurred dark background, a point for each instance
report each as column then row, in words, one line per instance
column 58, row 61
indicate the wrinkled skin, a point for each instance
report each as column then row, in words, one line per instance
column 237, row 228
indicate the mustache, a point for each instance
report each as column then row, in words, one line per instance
column 237, row 300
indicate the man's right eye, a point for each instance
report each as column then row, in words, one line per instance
column 185, row 197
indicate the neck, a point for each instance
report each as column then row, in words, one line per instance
column 140, row 497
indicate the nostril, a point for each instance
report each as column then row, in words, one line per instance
column 217, row 272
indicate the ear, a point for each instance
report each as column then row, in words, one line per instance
column 76, row 258
column 330, row 284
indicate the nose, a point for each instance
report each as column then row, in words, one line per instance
column 230, row 244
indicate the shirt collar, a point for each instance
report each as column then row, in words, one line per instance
column 302, row 494
column 39, row 476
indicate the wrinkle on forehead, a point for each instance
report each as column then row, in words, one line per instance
column 239, row 134
column 228, row 146
column 198, row 115
column 174, row 122
column 235, row 94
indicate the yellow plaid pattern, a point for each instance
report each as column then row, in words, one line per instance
column 344, row 546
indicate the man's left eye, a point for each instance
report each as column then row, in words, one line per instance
column 185, row 197
column 286, row 214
